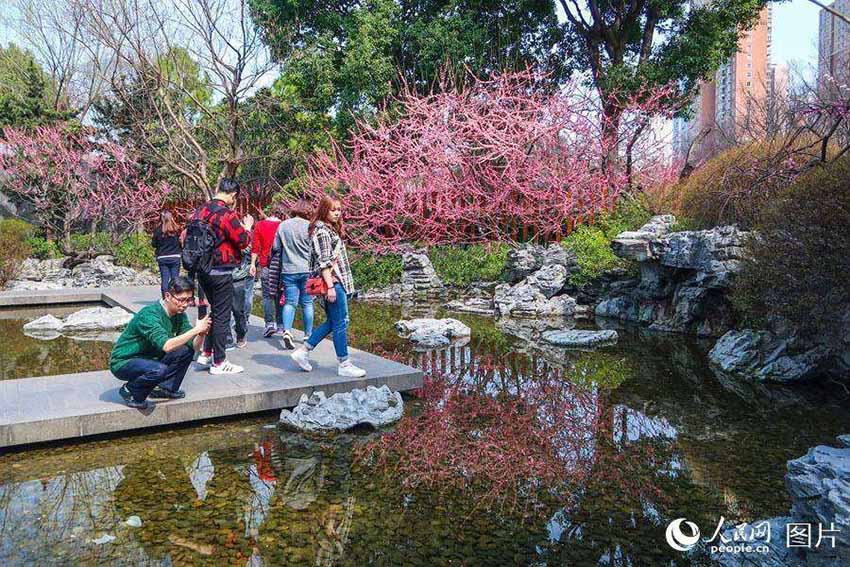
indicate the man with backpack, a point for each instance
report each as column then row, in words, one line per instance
column 215, row 238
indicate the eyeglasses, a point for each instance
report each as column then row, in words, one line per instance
column 183, row 300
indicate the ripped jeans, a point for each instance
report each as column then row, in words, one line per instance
column 336, row 322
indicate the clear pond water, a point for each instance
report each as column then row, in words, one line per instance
column 641, row 431
column 22, row 356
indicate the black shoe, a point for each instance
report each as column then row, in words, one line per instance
column 288, row 343
column 269, row 331
column 124, row 392
column 162, row 393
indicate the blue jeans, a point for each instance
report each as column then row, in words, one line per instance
column 272, row 311
column 143, row 374
column 295, row 288
column 336, row 322
column 169, row 268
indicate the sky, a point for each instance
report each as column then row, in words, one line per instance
column 795, row 33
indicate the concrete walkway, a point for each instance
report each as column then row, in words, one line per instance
column 68, row 406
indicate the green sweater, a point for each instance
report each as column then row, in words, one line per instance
column 146, row 334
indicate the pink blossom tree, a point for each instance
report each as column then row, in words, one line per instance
column 69, row 180
column 478, row 162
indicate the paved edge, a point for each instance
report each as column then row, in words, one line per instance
column 106, row 420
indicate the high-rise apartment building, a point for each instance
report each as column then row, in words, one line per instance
column 833, row 45
column 721, row 110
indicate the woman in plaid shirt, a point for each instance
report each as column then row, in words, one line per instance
column 331, row 260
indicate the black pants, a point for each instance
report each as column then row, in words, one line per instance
column 142, row 375
column 240, row 314
column 219, row 293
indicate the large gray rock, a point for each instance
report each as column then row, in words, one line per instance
column 684, row 278
column 373, row 406
column 418, row 276
column 760, row 356
column 44, row 324
column 638, row 245
column 819, row 484
column 715, row 255
column 96, row 319
column 527, row 259
column 528, row 300
column 579, row 338
column 431, row 333
column 94, row 323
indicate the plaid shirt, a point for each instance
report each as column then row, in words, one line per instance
column 329, row 250
column 234, row 237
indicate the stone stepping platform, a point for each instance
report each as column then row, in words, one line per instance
column 70, row 406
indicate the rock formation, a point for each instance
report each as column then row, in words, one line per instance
column 819, row 485
column 100, row 272
column 764, row 357
column 432, row 333
column 340, row 412
column 418, row 277
column 684, row 278
column 537, row 277
column 82, row 324
column 579, row 338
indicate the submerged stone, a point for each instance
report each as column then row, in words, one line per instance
column 105, row 538
column 134, row 522
column 580, row 338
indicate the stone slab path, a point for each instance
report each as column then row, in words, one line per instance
column 68, row 406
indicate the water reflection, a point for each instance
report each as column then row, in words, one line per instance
column 590, row 454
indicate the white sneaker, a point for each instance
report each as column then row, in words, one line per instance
column 226, row 367
column 302, row 359
column 348, row 370
column 204, row 361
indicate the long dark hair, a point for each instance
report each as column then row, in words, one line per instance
column 323, row 214
column 169, row 226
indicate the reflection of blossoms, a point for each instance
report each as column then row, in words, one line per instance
column 505, row 447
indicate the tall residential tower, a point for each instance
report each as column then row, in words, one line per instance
column 722, row 108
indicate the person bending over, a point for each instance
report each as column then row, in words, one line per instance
column 157, row 347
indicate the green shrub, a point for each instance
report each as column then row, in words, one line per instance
column 593, row 254
column 14, row 234
column 799, row 263
column 462, row 265
column 99, row 243
column 136, row 251
column 372, row 271
column 592, row 243
column 733, row 187
column 43, row 249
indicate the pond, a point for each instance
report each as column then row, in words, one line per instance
column 512, row 455
column 22, row 356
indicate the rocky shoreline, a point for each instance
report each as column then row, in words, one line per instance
column 99, row 272
column 680, row 284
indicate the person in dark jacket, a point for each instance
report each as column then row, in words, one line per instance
column 166, row 245
column 234, row 236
